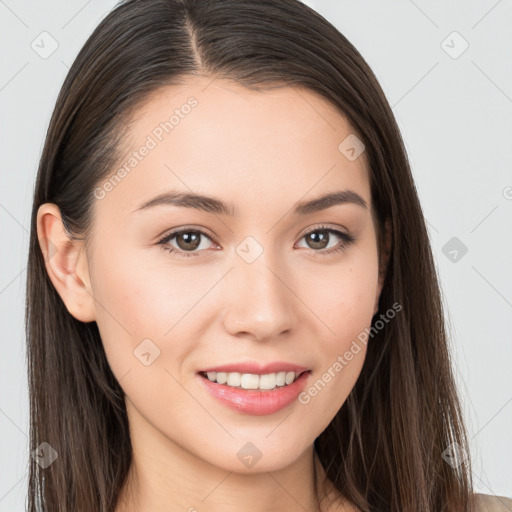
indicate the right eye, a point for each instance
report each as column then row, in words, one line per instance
column 186, row 239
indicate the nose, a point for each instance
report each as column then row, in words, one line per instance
column 259, row 299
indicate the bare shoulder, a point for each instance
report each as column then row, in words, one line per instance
column 483, row 503
column 491, row 503
column 339, row 504
column 335, row 502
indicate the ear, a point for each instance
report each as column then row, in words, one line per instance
column 66, row 263
column 384, row 253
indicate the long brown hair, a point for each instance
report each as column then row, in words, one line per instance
column 384, row 448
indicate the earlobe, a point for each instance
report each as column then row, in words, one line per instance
column 384, row 260
column 65, row 262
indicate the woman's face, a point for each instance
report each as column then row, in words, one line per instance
column 266, row 282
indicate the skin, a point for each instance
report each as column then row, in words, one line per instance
column 262, row 151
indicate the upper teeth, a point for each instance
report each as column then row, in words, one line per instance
column 252, row 381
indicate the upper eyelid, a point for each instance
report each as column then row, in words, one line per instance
column 207, row 233
column 177, row 231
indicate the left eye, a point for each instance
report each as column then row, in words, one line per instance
column 321, row 236
column 188, row 240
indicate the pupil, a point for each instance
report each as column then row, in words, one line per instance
column 319, row 239
column 190, row 238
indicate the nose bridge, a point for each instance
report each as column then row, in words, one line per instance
column 260, row 302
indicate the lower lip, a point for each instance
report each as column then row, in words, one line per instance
column 254, row 401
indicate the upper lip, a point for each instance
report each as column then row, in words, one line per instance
column 256, row 368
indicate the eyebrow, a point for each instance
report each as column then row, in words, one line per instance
column 214, row 205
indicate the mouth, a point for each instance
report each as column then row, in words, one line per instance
column 254, row 393
column 253, row 381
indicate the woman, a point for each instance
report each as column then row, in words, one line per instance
column 231, row 297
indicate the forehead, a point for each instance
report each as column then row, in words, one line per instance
column 254, row 148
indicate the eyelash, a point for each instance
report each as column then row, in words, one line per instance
column 342, row 246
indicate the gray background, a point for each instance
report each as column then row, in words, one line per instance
column 454, row 110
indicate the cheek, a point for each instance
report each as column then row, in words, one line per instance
column 343, row 300
column 343, row 296
column 129, row 308
column 139, row 297
column 138, row 292
column 341, row 349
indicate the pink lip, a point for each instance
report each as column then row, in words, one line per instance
column 254, row 401
column 257, row 369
